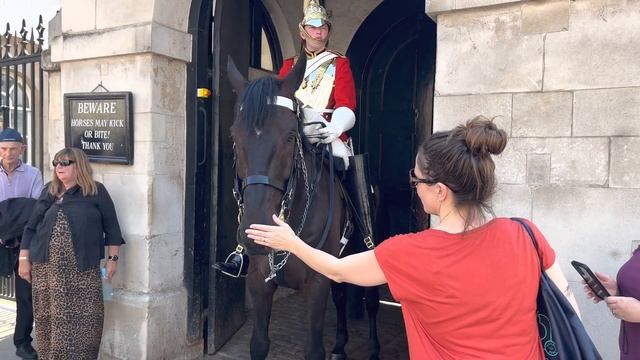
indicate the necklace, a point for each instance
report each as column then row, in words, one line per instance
column 444, row 217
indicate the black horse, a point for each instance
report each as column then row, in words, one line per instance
column 279, row 172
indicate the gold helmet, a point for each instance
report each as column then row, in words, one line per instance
column 315, row 15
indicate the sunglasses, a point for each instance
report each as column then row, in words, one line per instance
column 415, row 180
column 64, row 162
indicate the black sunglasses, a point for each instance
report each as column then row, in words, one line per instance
column 64, row 162
column 415, row 180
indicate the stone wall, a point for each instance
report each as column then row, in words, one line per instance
column 563, row 79
column 142, row 47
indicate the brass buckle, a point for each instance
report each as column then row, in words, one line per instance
column 369, row 242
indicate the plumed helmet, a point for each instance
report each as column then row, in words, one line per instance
column 315, row 15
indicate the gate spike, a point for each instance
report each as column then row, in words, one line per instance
column 7, row 38
column 23, row 37
column 23, row 30
column 32, row 44
column 40, row 30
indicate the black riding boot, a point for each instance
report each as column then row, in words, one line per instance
column 358, row 185
column 235, row 265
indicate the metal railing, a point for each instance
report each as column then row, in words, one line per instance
column 8, row 288
column 22, row 86
column 22, row 89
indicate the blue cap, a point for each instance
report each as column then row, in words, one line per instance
column 10, row 135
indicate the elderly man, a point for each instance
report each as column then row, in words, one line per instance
column 19, row 180
column 328, row 96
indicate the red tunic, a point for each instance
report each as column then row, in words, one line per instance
column 468, row 296
column 344, row 90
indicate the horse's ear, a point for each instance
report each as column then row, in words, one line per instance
column 292, row 81
column 238, row 82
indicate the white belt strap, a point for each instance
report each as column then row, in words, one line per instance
column 318, row 61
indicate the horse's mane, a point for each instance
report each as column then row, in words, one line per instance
column 253, row 104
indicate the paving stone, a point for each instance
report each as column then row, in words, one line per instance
column 287, row 333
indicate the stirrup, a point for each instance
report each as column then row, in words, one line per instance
column 234, row 265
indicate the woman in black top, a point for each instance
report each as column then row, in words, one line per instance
column 62, row 245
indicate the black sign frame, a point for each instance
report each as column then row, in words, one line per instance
column 74, row 139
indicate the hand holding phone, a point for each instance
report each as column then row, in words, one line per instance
column 591, row 279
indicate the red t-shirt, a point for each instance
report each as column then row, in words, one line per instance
column 471, row 295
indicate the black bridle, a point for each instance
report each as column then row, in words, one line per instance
column 287, row 187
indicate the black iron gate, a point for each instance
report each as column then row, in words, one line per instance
column 22, row 88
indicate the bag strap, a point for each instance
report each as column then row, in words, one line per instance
column 533, row 238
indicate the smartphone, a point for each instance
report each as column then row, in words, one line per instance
column 591, row 279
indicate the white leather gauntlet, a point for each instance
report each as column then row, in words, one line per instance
column 342, row 120
column 313, row 131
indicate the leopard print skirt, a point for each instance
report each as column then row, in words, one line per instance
column 67, row 303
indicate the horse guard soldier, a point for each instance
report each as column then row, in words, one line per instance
column 328, row 100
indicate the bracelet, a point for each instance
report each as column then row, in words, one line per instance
column 23, row 258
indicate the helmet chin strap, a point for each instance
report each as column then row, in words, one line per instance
column 309, row 40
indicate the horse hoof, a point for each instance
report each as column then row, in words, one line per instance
column 339, row 356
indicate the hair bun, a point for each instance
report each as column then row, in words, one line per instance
column 482, row 136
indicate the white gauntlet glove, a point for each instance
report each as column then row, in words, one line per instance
column 342, row 120
column 313, row 131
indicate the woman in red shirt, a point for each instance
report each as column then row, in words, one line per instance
column 468, row 285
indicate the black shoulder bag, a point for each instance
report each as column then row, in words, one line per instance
column 562, row 333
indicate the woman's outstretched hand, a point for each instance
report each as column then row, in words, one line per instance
column 277, row 237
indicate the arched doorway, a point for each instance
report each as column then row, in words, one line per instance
column 393, row 60
column 394, row 47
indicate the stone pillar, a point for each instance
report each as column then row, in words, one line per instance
column 140, row 46
column 562, row 78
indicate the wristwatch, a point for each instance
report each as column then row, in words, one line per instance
column 113, row 257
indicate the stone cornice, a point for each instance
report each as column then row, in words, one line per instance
column 433, row 8
column 139, row 38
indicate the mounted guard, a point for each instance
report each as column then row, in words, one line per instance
column 328, row 99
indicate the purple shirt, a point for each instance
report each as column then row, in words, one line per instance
column 26, row 181
column 629, row 285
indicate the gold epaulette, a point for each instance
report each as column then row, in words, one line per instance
column 337, row 53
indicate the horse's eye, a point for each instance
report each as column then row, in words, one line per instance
column 292, row 136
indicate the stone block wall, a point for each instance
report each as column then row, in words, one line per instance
column 142, row 47
column 563, row 79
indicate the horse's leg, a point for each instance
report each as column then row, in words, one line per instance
column 355, row 303
column 339, row 296
column 262, row 296
column 317, row 292
column 372, row 299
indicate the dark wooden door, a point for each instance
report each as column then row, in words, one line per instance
column 226, row 295
column 393, row 60
column 395, row 82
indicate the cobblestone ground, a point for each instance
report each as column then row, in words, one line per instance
column 287, row 333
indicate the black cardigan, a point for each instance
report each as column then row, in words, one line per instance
column 92, row 220
column 14, row 214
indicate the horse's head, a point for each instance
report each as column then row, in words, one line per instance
column 266, row 137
